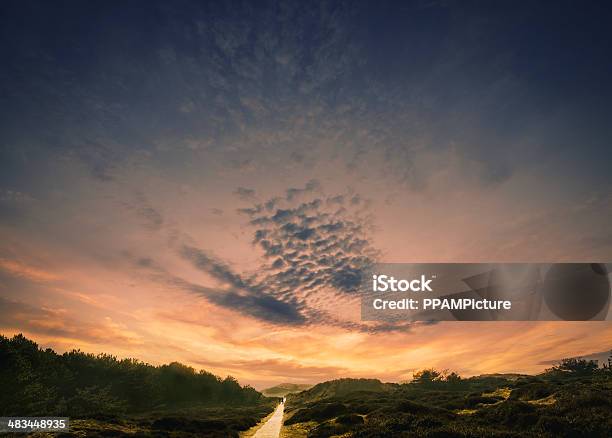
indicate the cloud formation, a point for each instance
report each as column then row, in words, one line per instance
column 313, row 249
column 58, row 323
column 244, row 193
column 240, row 294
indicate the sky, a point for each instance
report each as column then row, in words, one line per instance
column 204, row 181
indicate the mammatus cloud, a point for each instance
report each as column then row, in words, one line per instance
column 313, row 250
column 318, row 242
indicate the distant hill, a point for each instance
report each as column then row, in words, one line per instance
column 285, row 388
column 507, row 376
column 341, row 388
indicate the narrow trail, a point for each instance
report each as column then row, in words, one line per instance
column 272, row 427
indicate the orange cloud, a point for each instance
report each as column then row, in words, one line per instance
column 20, row 269
column 17, row 316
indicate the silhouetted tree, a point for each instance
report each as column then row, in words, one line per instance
column 575, row 366
column 41, row 382
column 427, row 376
column 452, row 378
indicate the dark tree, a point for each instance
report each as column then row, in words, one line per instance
column 41, row 382
column 576, row 366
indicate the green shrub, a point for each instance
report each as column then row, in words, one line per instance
column 475, row 400
column 555, row 426
column 350, row 419
column 532, row 391
column 317, row 412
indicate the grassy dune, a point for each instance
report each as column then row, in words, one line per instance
column 196, row 422
column 549, row 405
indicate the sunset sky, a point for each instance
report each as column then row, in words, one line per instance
column 200, row 182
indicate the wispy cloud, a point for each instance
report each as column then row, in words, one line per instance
column 57, row 322
column 20, row 269
column 240, row 294
column 151, row 218
column 245, row 194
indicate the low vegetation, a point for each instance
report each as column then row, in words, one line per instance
column 573, row 399
column 105, row 396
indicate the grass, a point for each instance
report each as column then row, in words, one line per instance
column 205, row 422
column 528, row 406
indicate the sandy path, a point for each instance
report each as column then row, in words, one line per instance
column 272, row 427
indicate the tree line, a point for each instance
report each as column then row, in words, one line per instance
column 41, row 382
column 568, row 367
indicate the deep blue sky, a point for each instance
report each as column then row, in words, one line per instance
column 483, row 74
